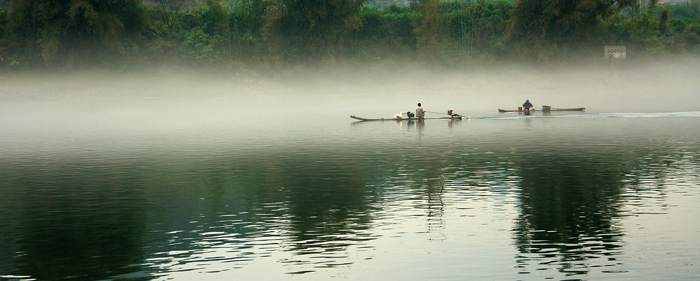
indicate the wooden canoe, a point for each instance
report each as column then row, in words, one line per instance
column 565, row 109
column 513, row 110
column 544, row 109
column 404, row 118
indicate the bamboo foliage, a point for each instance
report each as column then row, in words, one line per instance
column 102, row 24
column 319, row 28
column 429, row 34
column 59, row 29
column 270, row 39
column 50, row 44
column 287, row 33
column 170, row 10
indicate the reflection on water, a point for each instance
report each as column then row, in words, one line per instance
column 67, row 218
column 569, row 214
column 526, row 197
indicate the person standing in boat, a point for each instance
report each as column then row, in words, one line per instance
column 527, row 105
column 420, row 112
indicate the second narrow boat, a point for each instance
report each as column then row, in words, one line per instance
column 545, row 108
column 398, row 118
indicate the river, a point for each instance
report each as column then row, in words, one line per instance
column 152, row 186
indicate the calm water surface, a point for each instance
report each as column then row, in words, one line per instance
column 157, row 194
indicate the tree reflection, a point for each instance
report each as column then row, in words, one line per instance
column 329, row 208
column 79, row 220
column 568, row 210
column 429, row 188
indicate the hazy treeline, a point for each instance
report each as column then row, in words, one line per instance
column 276, row 34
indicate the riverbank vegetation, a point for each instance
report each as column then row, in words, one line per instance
column 286, row 34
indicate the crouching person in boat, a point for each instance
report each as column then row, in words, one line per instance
column 420, row 112
column 527, row 105
column 453, row 115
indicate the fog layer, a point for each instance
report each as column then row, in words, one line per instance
column 169, row 100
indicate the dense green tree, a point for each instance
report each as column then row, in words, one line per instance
column 542, row 28
column 247, row 18
column 663, row 21
column 372, row 23
column 3, row 40
column 170, row 10
column 690, row 37
column 644, row 28
column 430, row 32
column 201, row 35
column 286, row 33
column 685, row 10
column 320, row 28
column 392, row 27
column 478, row 26
column 73, row 31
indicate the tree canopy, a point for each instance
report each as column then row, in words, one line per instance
column 285, row 33
column 84, row 27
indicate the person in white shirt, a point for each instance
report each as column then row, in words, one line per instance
column 420, row 112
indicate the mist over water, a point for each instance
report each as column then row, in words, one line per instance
column 212, row 174
column 185, row 105
column 662, row 86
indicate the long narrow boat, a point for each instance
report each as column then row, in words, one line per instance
column 404, row 118
column 513, row 110
column 565, row 109
column 544, row 109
